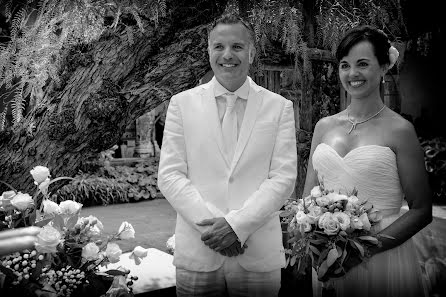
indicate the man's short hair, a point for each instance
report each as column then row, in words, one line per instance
column 231, row 19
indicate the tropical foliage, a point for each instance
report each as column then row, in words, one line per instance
column 40, row 34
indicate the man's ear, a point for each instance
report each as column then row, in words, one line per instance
column 251, row 54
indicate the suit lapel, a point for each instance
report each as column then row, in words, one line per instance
column 255, row 99
column 211, row 117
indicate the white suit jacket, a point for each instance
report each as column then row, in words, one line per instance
column 200, row 183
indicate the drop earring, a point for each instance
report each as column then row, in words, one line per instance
column 383, row 80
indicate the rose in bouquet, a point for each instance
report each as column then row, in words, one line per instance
column 69, row 249
column 329, row 231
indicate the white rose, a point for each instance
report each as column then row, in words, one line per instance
column 22, row 201
column 90, row 251
column 316, row 192
column 329, row 224
column 113, row 252
column 70, row 207
column 126, row 231
column 356, row 223
column 365, row 222
column 137, row 254
column 40, row 174
column 50, row 207
column 48, row 239
column 141, row 252
column 343, row 219
column 323, row 201
column 314, row 213
column 5, row 198
column 301, row 217
column 8, row 194
column 93, row 225
column 43, row 187
column 334, row 197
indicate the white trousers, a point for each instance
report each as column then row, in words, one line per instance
column 230, row 279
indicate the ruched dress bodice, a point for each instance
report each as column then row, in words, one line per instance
column 373, row 171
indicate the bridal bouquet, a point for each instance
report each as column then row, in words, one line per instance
column 69, row 250
column 326, row 228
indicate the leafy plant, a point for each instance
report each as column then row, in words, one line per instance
column 113, row 184
column 39, row 35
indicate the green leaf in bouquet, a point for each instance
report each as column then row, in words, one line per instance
column 343, row 233
column 332, row 256
column 370, row 239
column 344, row 255
column 323, row 268
column 72, row 221
column 358, row 246
column 58, row 222
column 43, row 222
column 115, row 272
column 314, row 250
column 323, row 255
column 317, row 241
column 287, row 261
column 292, row 239
column 339, row 249
column 293, row 260
column 339, row 270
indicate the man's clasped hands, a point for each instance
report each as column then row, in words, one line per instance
column 221, row 238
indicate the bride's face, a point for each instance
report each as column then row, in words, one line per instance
column 360, row 72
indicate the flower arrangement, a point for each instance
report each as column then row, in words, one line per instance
column 327, row 228
column 69, row 248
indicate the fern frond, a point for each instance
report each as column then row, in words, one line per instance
column 3, row 118
column 18, row 105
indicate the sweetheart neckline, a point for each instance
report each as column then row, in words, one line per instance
column 356, row 148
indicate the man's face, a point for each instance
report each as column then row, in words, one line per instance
column 230, row 54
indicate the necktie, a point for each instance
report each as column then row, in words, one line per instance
column 229, row 125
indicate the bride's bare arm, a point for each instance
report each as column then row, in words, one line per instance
column 311, row 177
column 414, row 181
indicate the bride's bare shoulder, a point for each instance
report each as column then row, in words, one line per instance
column 332, row 120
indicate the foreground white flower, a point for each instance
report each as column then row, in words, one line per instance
column 126, row 231
column 43, row 186
column 50, row 208
column 40, row 174
column 316, row 192
column 138, row 253
column 70, row 207
column 22, row 201
column 343, row 219
column 48, row 239
column 94, row 225
column 113, row 252
column 90, row 251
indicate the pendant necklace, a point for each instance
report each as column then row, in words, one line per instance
column 354, row 124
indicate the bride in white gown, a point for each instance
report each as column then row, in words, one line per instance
column 375, row 150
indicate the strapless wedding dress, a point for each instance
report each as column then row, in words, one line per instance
column 372, row 170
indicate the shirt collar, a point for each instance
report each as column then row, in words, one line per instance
column 241, row 92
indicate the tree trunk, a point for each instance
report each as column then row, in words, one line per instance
column 105, row 88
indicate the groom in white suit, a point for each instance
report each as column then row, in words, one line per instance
column 227, row 165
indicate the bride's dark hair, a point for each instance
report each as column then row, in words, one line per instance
column 377, row 38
